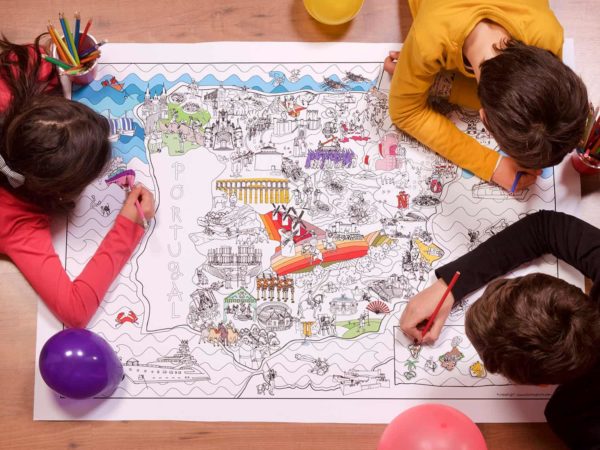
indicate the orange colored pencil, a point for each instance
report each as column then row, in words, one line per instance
column 73, row 70
column 59, row 49
column 90, row 57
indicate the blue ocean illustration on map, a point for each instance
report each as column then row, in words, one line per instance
column 114, row 103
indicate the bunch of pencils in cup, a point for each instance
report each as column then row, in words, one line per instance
column 589, row 147
column 76, row 52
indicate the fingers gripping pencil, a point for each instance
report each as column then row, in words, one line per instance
column 126, row 180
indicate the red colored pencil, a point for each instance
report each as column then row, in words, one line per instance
column 84, row 34
column 440, row 303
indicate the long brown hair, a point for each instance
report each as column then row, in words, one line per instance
column 58, row 145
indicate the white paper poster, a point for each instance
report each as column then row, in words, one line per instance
column 293, row 223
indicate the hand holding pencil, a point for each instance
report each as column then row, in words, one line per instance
column 421, row 309
column 507, row 171
column 139, row 205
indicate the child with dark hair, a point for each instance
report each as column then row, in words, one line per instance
column 501, row 57
column 535, row 329
column 51, row 148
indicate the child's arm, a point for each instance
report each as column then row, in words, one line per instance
column 73, row 302
column 29, row 245
column 566, row 237
column 413, row 77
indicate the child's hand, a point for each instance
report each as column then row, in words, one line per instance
column 421, row 307
column 146, row 199
column 389, row 64
column 506, row 173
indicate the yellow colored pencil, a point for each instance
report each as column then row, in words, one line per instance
column 62, row 43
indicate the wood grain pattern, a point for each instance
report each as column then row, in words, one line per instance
column 190, row 21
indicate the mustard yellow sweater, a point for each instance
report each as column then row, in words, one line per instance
column 434, row 43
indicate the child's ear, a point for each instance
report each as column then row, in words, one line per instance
column 483, row 116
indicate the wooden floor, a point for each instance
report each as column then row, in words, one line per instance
column 244, row 20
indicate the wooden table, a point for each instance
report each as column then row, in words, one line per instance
column 189, row 21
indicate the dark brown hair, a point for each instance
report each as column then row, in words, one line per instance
column 535, row 329
column 58, row 145
column 535, row 106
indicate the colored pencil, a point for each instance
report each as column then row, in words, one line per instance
column 63, row 45
column 85, row 32
column 93, row 48
column 59, row 50
column 61, row 20
column 69, row 37
column 57, row 62
column 440, row 303
column 593, row 139
column 589, row 125
column 141, row 213
column 91, row 57
column 596, row 147
column 596, row 156
column 74, row 70
column 514, row 185
column 590, row 144
column 76, row 34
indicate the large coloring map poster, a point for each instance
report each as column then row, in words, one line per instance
column 293, row 223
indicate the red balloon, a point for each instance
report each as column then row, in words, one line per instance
column 432, row 427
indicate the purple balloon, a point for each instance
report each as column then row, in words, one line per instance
column 77, row 363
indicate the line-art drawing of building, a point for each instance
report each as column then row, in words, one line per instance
column 256, row 190
column 223, row 134
column 274, row 316
column 239, row 267
column 268, row 159
column 239, row 303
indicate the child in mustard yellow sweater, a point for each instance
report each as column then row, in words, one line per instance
column 501, row 57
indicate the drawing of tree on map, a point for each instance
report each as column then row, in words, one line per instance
column 294, row 221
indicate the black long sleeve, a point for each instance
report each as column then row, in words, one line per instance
column 566, row 237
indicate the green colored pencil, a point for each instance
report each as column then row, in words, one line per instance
column 57, row 62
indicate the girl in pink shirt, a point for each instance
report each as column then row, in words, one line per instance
column 51, row 148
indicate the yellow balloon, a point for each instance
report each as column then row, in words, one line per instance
column 333, row 12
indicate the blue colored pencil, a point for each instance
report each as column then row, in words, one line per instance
column 67, row 36
column 514, row 185
column 76, row 36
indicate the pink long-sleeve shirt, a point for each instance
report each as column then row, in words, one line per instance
column 25, row 237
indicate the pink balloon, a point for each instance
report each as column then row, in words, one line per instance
column 432, row 427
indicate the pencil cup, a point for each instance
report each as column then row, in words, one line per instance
column 585, row 165
column 85, row 76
